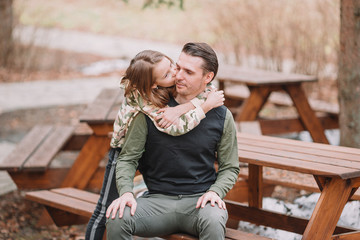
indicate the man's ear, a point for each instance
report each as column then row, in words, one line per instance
column 208, row 77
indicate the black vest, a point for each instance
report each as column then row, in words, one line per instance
column 182, row 164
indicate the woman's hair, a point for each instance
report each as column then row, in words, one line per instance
column 140, row 77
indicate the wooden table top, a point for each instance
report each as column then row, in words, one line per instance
column 304, row 157
column 104, row 108
column 255, row 77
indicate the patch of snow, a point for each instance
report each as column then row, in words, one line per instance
column 302, row 207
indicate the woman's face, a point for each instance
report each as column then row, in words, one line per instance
column 164, row 73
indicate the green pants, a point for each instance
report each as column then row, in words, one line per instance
column 159, row 215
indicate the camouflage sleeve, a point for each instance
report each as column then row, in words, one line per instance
column 134, row 103
column 122, row 122
column 187, row 121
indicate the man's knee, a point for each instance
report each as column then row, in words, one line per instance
column 120, row 226
column 212, row 218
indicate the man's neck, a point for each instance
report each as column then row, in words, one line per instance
column 186, row 98
column 183, row 99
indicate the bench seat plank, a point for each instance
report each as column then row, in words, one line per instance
column 25, row 148
column 231, row 234
column 82, row 203
column 55, row 141
column 62, row 202
column 78, row 194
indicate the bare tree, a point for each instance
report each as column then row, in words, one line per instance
column 349, row 73
column 6, row 26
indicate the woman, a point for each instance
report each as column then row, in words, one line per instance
column 149, row 84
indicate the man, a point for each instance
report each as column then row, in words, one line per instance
column 185, row 192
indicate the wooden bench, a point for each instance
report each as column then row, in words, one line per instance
column 238, row 93
column 327, row 113
column 29, row 163
column 271, row 175
column 70, row 206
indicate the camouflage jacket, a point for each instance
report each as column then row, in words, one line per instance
column 134, row 103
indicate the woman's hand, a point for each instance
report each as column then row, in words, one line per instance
column 214, row 99
column 169, row 116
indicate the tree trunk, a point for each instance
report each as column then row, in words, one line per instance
column 349, row 73
column 6, row 26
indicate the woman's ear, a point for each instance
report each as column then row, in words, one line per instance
column 154, row 86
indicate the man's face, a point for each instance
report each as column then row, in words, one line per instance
column 190, row 78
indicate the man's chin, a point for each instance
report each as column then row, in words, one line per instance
column 180, row 89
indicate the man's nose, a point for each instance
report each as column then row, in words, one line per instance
column 179, row 74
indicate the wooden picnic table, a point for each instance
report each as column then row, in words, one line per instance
column 336, row 170
column 100, row 116
column 261, row 84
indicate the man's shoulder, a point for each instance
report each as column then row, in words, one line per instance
column 140, row 118
column 223, row 111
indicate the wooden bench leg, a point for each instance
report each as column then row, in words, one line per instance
column 307, row 115
column 321, row 224
column 87, row 162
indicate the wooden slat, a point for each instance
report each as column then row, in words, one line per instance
column 231, row 234
column 297, row 165
column 51, row 145
column 51, row 178
column 27, row 146
column 101, row 107
column 301, row 156
column 78, row 194
column 326, row 147
column 347, row 236
column 299, row 148
column 235, row 234
column 62, row 202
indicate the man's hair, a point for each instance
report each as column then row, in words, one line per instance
column 204, row 51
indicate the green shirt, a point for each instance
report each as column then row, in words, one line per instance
column 134, row 146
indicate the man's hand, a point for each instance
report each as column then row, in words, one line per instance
column 127, row 199
column 213, row 198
